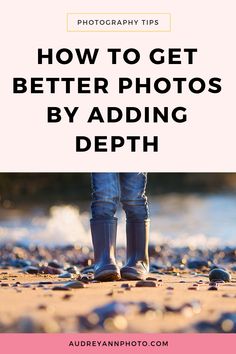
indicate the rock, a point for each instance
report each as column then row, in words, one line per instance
column 219, row 274
column 225, row 324
column 125, row 285
column 145, row 283
column 231, row 296
column 194, row 306
column 85, row 279
column 72, row 270
column 111, row 293
column 75, row 285
column 197, row 263
column 212, row 283
column 50, row 270
column 212, row 288
column 55, row 264
column 65, row 275
column 60, row 288
column 31, row 270
column 193, row 288
column 42, row 307
column 145, row 307
column 151, row 278
column 20, row 263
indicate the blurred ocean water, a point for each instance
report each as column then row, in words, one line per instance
column 198, row 221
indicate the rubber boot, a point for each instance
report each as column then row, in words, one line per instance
column 137, row 266
column 104, row 244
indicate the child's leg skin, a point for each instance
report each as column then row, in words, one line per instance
column 105, row 195
column 133, row 198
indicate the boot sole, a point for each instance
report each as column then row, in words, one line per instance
column 107, row 275
column 132, row 275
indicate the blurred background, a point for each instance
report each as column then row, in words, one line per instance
column 193, row 209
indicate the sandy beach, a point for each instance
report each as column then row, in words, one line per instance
column 171, row 304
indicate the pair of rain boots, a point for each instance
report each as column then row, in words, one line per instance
column 104, row 242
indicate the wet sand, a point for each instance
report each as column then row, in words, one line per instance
column 29, row 306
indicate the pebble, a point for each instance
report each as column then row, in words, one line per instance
column 225, row 324
column 151, row 278
column 20, row 263
column 42, row 307
column 72, row 270
column 5, row 284
column 213, row 288
column 50, row 270
column 194, row 306
column 65, row 275
column 144, row 283
column 125, row 285
column 196, row 263
column 60, row 288
column 212, row 283
column 31, row 270
column 128, row 289
column 67, row 296
column 85, row 279
column 219, row 274
column 231, row 296
column 169, row 288
column 145, row 307
column 55, row 264
column 193, row 288
column 75, row 285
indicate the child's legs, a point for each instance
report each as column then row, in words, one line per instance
column 105, row 195
column 133, row 196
